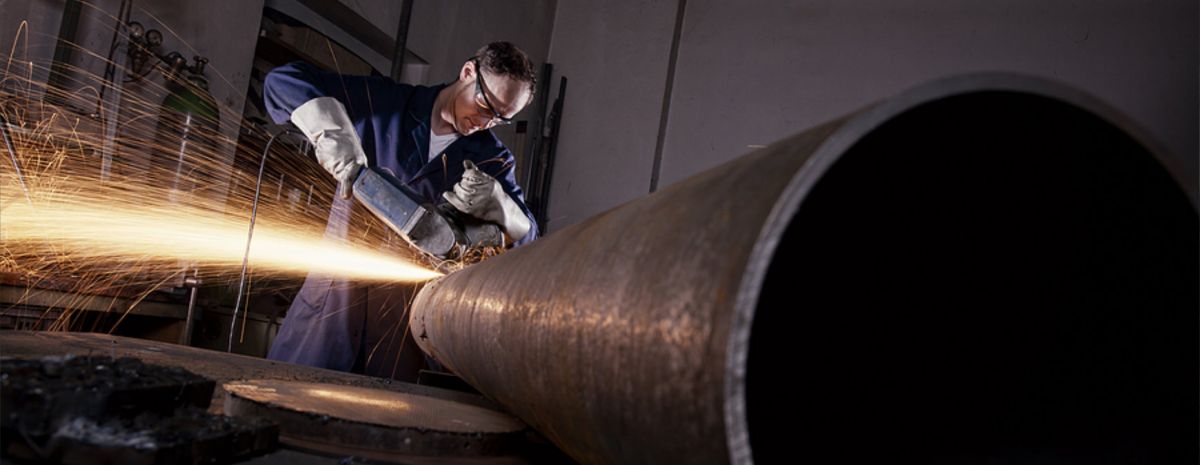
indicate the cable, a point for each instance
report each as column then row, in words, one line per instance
column 250, row 235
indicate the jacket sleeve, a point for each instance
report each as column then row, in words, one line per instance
column 289, row 86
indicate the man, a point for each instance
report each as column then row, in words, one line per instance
column 436, row 140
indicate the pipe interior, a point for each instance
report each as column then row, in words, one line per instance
column 989, row 278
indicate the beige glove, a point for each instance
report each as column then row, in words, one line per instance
column 480, row 195
column 325, row 122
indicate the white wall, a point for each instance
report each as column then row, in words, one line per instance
column 749, row 73
column 614, row 55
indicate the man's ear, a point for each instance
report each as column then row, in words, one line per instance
column 467, row 72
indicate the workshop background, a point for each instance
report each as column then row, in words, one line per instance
column 634, row 98
column 650, row 106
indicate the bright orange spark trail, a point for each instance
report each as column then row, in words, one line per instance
column 94, row 231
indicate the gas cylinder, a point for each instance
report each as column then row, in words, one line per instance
column 187, row 131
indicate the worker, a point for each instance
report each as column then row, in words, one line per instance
column 438, row 141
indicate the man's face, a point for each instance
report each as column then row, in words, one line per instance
column 487, row 102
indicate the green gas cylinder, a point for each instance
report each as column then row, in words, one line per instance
column 188, row 129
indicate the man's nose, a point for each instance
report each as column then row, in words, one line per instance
column 480, row 122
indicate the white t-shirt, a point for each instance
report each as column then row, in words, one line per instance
column 439, row 143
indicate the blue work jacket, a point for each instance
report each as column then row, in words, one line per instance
column 343, row 325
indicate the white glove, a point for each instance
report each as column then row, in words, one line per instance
column 480, row 195
column 325, row 122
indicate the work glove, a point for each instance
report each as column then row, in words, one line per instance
column 325, row 122
column 480, row 195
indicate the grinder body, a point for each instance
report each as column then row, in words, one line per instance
column 443, row 234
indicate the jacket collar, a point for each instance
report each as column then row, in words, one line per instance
column 420, row 113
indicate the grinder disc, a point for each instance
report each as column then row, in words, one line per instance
column 373, row 423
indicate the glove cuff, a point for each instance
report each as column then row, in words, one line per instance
column 327, row 125
column 516, row 224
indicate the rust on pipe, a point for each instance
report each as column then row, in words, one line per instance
column 984, row 268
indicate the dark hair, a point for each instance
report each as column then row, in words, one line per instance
column 505, row 59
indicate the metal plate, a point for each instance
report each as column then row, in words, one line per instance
column 371, row 422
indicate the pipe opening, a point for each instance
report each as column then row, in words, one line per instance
column 991, row 276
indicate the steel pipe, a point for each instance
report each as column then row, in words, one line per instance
column 984, row 268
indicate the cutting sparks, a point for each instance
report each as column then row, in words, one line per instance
column 173, row 233
column 107, row 193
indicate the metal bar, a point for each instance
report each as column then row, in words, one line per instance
column 401, row 39
column 64, row 49
column 108, row 102
column 538, row 130
column 110, row 66
column 193, row 282
column 12, row 154
column 874, row 259
column 546, row 171
column 535, row 153
column 665, row 113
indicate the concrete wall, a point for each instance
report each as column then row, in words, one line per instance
column 749, row 73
